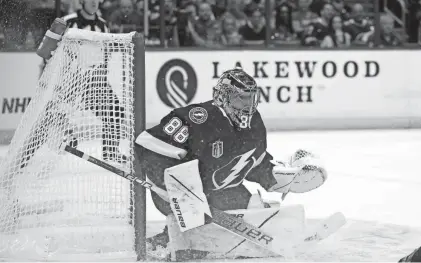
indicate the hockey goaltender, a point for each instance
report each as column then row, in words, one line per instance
column 224, row 141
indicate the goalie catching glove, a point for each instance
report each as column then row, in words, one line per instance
column 302, row 174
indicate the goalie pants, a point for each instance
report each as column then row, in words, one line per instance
column 153, row 165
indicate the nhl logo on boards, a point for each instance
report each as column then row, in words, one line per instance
column 217, row 149
column 198, row 115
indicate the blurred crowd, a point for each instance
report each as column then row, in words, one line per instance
column 223, row 23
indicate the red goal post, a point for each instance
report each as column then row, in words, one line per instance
column 54, row 207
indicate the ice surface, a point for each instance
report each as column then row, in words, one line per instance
column 373, row 179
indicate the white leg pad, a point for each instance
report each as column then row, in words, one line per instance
column 285, row 222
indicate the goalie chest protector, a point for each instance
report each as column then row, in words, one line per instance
column 226, row 154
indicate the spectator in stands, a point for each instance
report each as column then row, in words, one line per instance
column 291, row 3
column 108, row 7
column 336, row 37
column 185, row 11
column 140, row 6
column 388, row 37
column 341, row 9
column 125, row 19
column 201, row 28
column 319, row 29
column 236, row 8
column 302, row 17
column 215, row 35
column 153, row 6
column 283, row 26
column 254, row 31
column 153, row 14
column 219, row 8
column 283, row 16
column 359, row 27
column 317, row 5
column 253, row 5
column 154, row 20
column 230, row 36
column 171, row 29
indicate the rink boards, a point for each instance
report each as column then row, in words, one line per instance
column 300, row 89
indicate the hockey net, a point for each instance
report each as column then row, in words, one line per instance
column 55, row 206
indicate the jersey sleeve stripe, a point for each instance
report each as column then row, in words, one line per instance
column 153, row 144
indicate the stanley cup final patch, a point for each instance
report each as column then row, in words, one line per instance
column 217, row 149
column 198, row 115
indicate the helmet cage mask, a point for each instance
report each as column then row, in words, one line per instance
column 231, row 85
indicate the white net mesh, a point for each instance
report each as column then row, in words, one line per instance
column 55, row 206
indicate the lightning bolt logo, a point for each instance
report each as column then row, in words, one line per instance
column 245, row 161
